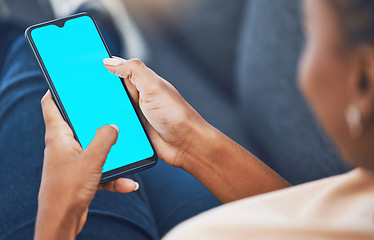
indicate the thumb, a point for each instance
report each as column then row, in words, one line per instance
column 100, row 146
column 144, row 79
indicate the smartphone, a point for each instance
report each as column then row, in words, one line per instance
column 70, row 53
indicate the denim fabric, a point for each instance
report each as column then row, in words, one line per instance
column 166, row 196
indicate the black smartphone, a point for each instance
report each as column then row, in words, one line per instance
column 70, row 53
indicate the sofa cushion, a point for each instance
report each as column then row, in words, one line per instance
column 207, row 35
column 194, row 86
column 281, row 128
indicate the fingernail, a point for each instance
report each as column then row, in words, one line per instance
column 111, row 62
column 115, row 127
column 136, row 186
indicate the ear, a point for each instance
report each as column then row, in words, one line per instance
column 362, row 85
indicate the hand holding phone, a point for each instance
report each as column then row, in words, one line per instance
column 173, row 125
column 71, row 175
column 70, row 52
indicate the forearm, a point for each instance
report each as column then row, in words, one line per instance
column 228, row 170
column 54, row 223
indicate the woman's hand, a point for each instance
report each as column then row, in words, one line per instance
column 172, row 123
column 184, row 139
column 71, row 176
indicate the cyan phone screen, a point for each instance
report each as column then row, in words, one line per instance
column 92, row 97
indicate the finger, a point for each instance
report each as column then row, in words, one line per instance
column 140, row 75
column 121, row 185
column 129, row 85
column 51, row 113
column 52, row 117
column 133, row 91
column 100, row 146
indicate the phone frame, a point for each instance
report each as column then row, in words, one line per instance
column 115, row 173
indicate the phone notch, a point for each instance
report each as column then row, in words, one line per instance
column 60, row 23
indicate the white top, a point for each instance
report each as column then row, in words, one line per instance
column 340, row 207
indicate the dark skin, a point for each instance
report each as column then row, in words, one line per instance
column 330, row 73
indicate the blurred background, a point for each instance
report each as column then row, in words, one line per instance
column 235, row 62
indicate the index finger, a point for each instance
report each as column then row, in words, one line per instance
column 136, row 71
column 52, row 116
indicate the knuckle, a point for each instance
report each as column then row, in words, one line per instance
column 51, row 137
column 97, row 153
column 157, row 85
column 137, row 62
column 48, row 140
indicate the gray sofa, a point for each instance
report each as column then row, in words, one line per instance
column 236, row 63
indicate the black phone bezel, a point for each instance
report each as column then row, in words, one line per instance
column 115, row 173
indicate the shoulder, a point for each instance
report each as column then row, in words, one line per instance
column 328, row 206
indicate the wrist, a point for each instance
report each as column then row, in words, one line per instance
column 201, row 146
column 56, row 220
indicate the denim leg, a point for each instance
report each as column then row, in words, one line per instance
column 174, row 195
column 21, row 140
column 9, row 32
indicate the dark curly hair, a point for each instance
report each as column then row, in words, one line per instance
column 357, row 18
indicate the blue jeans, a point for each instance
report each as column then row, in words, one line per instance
column 166, row 197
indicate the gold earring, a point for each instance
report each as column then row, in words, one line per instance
column 354, row 121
